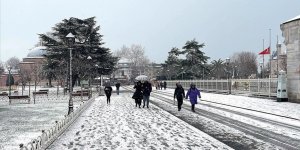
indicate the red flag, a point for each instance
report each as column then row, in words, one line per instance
column 266, row 51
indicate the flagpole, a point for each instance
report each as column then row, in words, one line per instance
column 270, row 53
column 277, row 45
column 263, row 57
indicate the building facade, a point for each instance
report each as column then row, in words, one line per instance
column 291, row 33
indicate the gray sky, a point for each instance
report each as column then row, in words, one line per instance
column 225, row 26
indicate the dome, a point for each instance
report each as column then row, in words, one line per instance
column 124, row 61
column 37, row 52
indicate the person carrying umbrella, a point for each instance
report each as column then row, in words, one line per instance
column 138, row 95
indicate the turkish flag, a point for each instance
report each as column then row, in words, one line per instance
column 266, row 51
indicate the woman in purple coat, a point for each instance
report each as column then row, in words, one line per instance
column 193, row 92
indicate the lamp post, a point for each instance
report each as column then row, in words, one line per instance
column 9, row 78
column 168, row 73
column 234, row 72
column 228, row 72
column 261, row 71
column 70, row 41
column 89, row 58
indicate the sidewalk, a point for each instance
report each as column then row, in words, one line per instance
column 121, row 125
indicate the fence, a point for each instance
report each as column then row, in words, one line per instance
column 248, row 87
column 49, row 136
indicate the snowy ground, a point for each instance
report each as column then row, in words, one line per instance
column 266, row 105
column 121, row 125
column 21, row 122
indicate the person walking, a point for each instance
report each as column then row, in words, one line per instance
column 147, row 89
column 118, row 87
column 179, row 95
column 138, row 95
column 165, row 85
column 192, row 93
column 108, row 90
column 158, row 85
column 161, row 85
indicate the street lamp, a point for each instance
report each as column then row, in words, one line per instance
column 261, row 70
column 89, row 58
column 70, row 41
column 9, row 78
column 168, row 73
column 182, row 73
column 228, row 72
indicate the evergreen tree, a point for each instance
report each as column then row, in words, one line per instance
column 88, row 42
column 195, row 58
column 10, row 80
column 172, row 64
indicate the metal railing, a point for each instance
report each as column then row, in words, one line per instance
column 248, row 87
column 50, row 135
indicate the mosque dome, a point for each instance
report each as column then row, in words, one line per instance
column 38, row 51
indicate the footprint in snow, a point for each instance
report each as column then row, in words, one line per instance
column 77, row 133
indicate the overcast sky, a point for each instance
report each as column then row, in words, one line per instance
column 225, row 26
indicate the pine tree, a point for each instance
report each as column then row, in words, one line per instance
column 195, row 58
column 88, row 42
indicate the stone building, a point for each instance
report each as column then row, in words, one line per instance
column 31, row 64
column 278, row 62
column 291, row 33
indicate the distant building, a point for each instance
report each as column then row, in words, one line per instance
column 124, row 71
column 291, row 33
column 33, row 60
column 278, row 62
column 31, row 63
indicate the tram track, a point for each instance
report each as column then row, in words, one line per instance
column 263, row 112
column 238, row 142
column 296, row 128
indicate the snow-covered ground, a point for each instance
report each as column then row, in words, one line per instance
column 121, row 125
column 265, row 105
column 21, row 122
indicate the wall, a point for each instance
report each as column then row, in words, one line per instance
column 291, row 33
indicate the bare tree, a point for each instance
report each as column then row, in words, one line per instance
column 13, row 62
column 37, row 74
column 136, row 55
column 1, row 68
column 244, row 64
column 25, row 76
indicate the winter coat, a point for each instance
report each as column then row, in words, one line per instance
column 118, row 85
column 147, row 89
column 179, row 93
column 107, row 90
column 138, row 92
column 193, row 93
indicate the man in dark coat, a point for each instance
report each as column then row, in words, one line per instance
column 165, row 85
column 179, row 95
column 118, row 87
column 108, row 91
column 147, row 89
